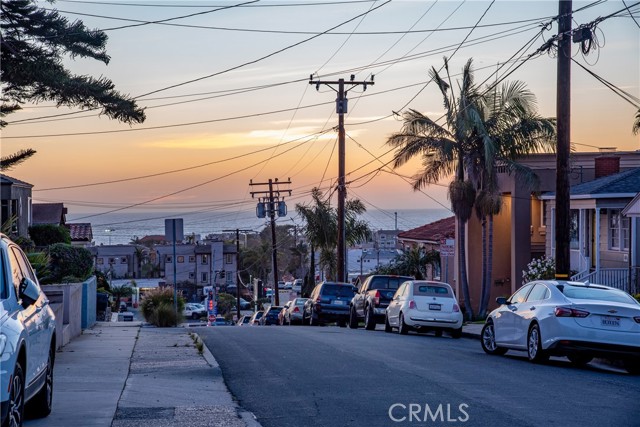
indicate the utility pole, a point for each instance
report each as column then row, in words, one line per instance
column 341, row 109
column 563, row 115
column 238, row 231
column 270, row 202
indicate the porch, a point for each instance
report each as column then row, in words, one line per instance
column 626, row 279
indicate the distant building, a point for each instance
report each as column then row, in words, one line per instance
column 15, row 196
column 81, row 234
column 49, row 214
column 434, row 236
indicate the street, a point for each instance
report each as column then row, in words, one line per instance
column 329, row 376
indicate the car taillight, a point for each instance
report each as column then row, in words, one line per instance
column 412, row 305
column 456, row 308
column 296, row 310
column 376, row 298
column 637, row 319
column 570, row 312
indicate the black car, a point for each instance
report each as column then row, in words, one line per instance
column 329, row 302
column 270, row 316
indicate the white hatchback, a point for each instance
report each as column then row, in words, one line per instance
column 572, row 319
column 424, row 305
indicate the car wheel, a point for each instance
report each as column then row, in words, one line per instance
column 488, row 340
column 40, row 405
column 438, row 333
column 580, row 359
column 195, row 316
column 342, row 323
column 369, row 322
column 16, row 397
column 456, row 333
column 632, row 366
column 311, row 322
column 534, row 345
column 403, row 329
column 387, row 326
column 304, row 318
column 353, row 318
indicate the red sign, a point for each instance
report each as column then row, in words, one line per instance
column 212, row 318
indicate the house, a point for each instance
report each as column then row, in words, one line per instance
column 81, row 234
column 604, row 241
column 437, row 236
column 49, row 214
column 364, row 260
column 524, row 228
column 15, row 197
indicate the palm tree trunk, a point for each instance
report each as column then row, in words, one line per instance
column 485, row 300
column 462, row 265
column 484, row 267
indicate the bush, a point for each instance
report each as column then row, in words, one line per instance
column 539, row 269
column 49, row 234
column 70, row 263
column 157, row 307
column 637, row 297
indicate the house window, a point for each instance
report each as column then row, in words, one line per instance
column 112, row 260
column 205, row 259
column 574, row 228
column 618, row 230
column 228, row 259
column 204, row 277
column 192, row 258
column 123, row 260
column 169, row 258
column 192, row 275
column 181, row 259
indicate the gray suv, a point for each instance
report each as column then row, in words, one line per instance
column 27, row 339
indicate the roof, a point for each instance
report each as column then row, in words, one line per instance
column 153, row 238
column 623, row 184
column 434, row 232
column 81, row 232
column 49, row 213
column 633, row 208
column 4, row 179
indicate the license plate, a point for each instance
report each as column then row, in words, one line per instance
column 338, row 302
column 610, row 322
column 435, row 307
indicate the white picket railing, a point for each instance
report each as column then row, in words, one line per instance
column 615, row 277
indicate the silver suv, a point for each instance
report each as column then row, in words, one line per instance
column 27, row 339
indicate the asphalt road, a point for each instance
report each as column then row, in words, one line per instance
column 331, row 377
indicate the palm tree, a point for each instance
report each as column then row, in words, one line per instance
column 508, row 127
column 636, row 124
column 122, row 291
column 444, row 150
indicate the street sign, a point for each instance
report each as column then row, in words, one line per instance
column 212, row 318
column 447, row 250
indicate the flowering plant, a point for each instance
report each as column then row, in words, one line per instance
column 539, row 269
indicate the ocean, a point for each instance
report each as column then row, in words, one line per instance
column 122, row 227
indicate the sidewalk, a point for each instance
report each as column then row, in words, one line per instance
column 123, row 374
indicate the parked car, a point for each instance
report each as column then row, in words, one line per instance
column 244, row 304
column 193, row 310
column 220, row 321
column 560, row 318
column 329, row 302
column 287, row 285
column 293, row 314
column 270, row 316
column 123, row 307
column 424, row 305
column 27, row 339
column 244, row 320
column 372, row 299
column 281, row 314
column 297, row 285
column 255, row 319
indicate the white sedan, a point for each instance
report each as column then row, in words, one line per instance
column 570, row 319
column 194, row 310
column 424, row 305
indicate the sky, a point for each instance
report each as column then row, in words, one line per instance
column 231, row 101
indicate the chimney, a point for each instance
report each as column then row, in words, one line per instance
column 608, row 164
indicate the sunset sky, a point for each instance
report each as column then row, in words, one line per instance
column 252, row 115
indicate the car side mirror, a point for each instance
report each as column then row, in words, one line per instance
column 29, row 291
column 502, row 301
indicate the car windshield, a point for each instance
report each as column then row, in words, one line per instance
column 300, row 301
column 602, row 294
column 432, row 290
column 337, row 291
column 387, row 282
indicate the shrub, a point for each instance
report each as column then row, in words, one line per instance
column 49, row 234
column 539, row 269
column 40, row 262
column 637, row 297
column 69, row 262
column 157, row 307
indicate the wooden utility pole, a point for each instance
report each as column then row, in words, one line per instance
column 563, row 115
column 341, row 109
column 238, row 231
column 271, row 201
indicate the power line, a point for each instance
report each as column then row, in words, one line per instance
column 329, row 3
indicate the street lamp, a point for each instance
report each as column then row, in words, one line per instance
column 109, row 231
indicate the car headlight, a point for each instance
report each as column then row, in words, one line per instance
column 3, row 343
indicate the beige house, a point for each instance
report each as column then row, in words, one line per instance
column 524, row 228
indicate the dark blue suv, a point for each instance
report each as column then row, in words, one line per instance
column 329, row 302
